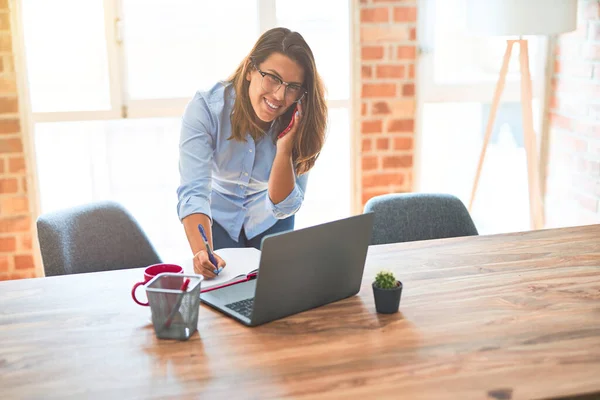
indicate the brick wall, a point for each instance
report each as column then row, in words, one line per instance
column 16, row 230
column 573, row 183
column 388, row 49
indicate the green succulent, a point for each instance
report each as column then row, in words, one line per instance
column 385, row 280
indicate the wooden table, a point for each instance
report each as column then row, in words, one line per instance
column 503, row 316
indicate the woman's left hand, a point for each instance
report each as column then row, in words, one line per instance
column 286, row 143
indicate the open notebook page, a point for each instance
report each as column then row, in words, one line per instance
column 240, row 262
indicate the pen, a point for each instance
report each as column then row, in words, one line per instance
column 211, row 257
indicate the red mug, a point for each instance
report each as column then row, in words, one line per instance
column 150, row 273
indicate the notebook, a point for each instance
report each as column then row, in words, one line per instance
column 242, row 265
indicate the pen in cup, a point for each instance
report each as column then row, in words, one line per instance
column 211, row 256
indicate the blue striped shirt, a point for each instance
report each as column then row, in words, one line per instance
column 225, row 179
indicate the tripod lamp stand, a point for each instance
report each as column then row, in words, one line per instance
column 519, row 18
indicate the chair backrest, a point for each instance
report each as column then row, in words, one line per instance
column 406, row 217
column 95, row 237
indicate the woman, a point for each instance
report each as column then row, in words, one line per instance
column 239, row 180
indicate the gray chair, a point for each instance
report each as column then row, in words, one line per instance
column 406, row 217
column 95, row 237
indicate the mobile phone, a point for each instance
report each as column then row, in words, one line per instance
column 292, row 119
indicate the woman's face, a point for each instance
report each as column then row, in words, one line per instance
column 268, row 96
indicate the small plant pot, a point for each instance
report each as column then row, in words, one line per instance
column 387, row 301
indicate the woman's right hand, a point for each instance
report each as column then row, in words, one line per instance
column 204, row 267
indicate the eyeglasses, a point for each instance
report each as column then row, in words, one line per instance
column 271, row 83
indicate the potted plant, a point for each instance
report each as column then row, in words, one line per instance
column 387, row 291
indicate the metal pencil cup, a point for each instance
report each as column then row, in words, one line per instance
column 174, row 312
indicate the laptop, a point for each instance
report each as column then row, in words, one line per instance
column 299, row 270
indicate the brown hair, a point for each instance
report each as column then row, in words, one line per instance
column 311, row 134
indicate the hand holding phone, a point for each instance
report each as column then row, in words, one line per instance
column 292, row 121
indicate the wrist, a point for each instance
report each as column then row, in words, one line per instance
column 284, row 151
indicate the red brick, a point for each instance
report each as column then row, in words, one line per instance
column 24, row 262
column 23, row 274
column 1, row 165
column 404, row 108
column 10, row 126
column 371, row 126
column 404, row 161
column 24, row 184
column 12, row 145
column 14, row 205
column 411, row 71
column 405, row 14
column 406, row 52
column 4, row 22
column 15, row 224
column 370, row 163
column 25, row 242
column 553, row 104
column 1, row 69
column 367, row 145
column 363, row 109
column 379, row 14
column 9, row 105
column 382, row 179
column 371, row 52
column 380, row 107
column 390, row 71
column 384, row 33
column 403, row 143
column 8, row 85
column 401, row 125
column 413, row 34
column 368, row 194
column 378, row 90
column 3, row 5
column 16, row 165
column 557, row 66
column 8, row 244
column 5, row 43
column 8, row 64
column 408, row 89
column 5, row 262
column 366, row 71
column 382, row 143
column 9, row 185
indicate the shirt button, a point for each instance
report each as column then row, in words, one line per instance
column 250, row 150
column 245, row 174
column 241, row 186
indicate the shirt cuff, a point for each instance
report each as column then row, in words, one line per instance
column 289, row 206
column 193, row 205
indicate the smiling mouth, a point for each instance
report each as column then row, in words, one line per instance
column 271, row 106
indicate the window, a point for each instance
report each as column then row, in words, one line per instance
column 108, row 100
column 457, row 78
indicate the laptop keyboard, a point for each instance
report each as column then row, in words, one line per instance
column 243, row 307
